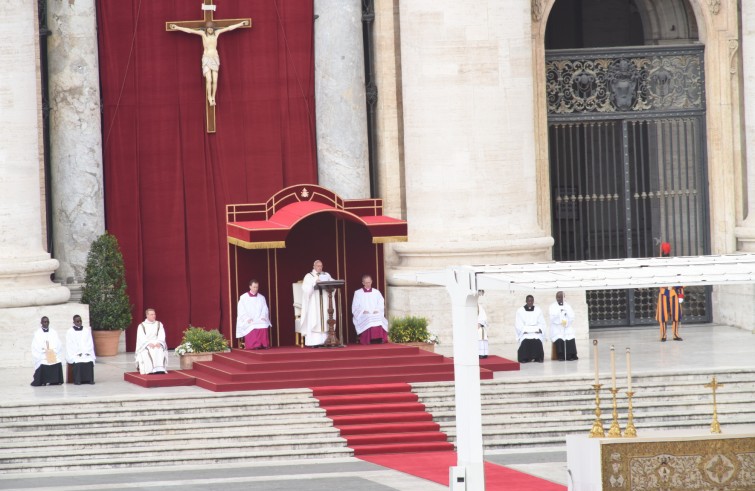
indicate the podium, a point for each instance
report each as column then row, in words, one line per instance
column 328, row 288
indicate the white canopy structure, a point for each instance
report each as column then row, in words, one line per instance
column 464, row 282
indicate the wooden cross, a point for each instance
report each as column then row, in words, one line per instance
column 200, row 26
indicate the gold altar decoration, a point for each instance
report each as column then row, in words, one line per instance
column 714, row 426
column 615, row 430
column 630, row 431
column 711, row 463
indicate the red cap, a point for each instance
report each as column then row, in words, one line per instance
column 665, row 248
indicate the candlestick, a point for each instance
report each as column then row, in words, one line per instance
column 615, row 430
column 629, row 372
column 613, row 368
column 597, row 430
column 631, row 431
column 595, row 359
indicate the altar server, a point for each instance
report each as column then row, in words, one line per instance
column 46, row 351
column 80, row 352
column 530, row 329
column 253, row 318
column 562, row 328
column 151, row 350
column 368, row 308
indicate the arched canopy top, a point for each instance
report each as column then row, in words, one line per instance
column 266, row 225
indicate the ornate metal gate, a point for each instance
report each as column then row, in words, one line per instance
column 627, row 166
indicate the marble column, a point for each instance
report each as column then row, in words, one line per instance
column 343, row 163
column 469, row 146
column 26, row 290
column 76, row 136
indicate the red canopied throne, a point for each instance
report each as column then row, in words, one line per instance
column 277, row 241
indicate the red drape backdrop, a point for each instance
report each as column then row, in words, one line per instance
column 167, row 181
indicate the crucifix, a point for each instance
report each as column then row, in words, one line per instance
column 209, row 29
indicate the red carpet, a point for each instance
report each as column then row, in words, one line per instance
column 294, row 367
column 381, row 418
column 434, row 466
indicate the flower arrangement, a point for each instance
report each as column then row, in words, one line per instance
column 411, row 329
column 200, row 340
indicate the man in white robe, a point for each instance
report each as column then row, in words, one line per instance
column 530, row 332
column 368, row 308
column 151, row 350
column 253, row 318
column 46, row 350
column 80, row 352
column 314, row 307
column 562, row 330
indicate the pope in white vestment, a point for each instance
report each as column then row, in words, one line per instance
column 368, row 308
column 151, row 350
column 48, row 369
column 562, row 328
column 253, row 318
column 314, row 307
column 530, row 332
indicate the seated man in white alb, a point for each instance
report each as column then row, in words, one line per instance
column 253, row 318
column 368, row 308
column 530, row 332
column 562, row 329
column 45, row 351
column 80, row 352
column 314, row 307
column 151, row 350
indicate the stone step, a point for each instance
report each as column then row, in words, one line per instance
column 196, row 458
column 74, row 440
column 251, row 418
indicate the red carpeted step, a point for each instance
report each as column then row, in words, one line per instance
column 395, row 438
column 360, row 389
column 347, row 420
column 307, row 354
column 397, row 427
column 173, row 378
column 241, row 361
column 375, row 408
column 379, row 398
column 403, row 448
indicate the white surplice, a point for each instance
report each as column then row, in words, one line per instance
column 252, row 314
column 373, row 303
column 40, row 344
column 79, row 346
column 530, row 325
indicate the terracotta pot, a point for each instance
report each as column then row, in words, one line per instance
column 425, row 346
column 187, row 360
column 106, row 342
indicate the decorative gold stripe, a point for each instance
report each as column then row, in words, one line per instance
column 257, row 245
column 385, row 240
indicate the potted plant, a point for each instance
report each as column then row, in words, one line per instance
column 412, row 330
column 105, row 293
column 199, row 344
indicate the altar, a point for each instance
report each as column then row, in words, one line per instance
column 668, row 462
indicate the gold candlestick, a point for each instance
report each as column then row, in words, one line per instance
column 631, row 431
column 597, row 425
column 615, row 430
column 714, row 426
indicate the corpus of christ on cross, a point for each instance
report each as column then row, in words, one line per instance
column 209, row 29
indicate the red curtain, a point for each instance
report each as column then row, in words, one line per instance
column 167, row 181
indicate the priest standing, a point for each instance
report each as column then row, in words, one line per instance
column 80, row 352
column 562, row 329
column 368, row 308
column 46, row 350
column 151, row 350
column 314, row 307
column 530, row 329
column 253, row 318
